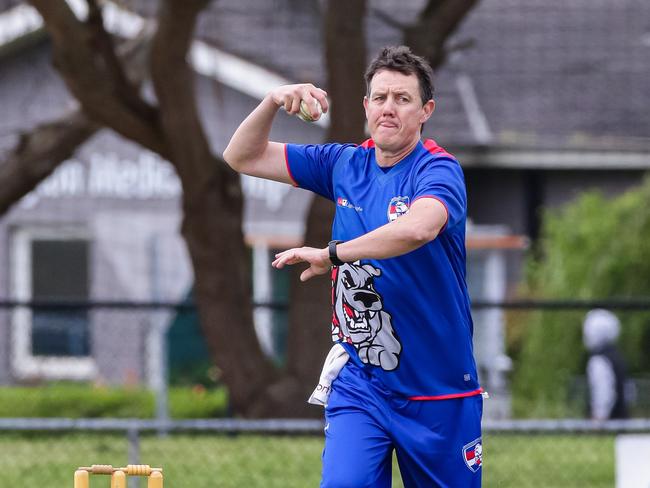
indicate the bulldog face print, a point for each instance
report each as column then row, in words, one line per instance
column 359, row 318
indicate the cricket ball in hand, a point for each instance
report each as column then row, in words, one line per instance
column 305, row 113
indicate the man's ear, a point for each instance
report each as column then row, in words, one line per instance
column 428, row 109
column 365, row 106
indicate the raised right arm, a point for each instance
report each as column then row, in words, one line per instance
column 250, row 151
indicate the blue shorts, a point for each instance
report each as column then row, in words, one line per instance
column 437, row 442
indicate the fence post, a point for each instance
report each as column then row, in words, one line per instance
column 133, row 455
column 158, row 369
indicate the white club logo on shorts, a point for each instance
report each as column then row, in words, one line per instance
column 473, row 454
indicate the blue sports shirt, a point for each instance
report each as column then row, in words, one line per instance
column 405, row 320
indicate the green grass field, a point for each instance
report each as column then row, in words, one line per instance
column 196, row 461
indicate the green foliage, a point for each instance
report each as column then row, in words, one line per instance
column 593, row 248
column 198, row 402
column 79, row 401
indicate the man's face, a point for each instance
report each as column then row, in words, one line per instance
column 394, row 110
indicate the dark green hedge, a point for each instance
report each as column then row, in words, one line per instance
column 593, row 248
column 79, row 401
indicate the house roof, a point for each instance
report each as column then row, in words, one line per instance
column 540, row 74
column 562, row 73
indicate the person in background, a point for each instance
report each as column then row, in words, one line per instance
column 606, row 370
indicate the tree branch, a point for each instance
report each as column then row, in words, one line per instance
column 388, row 19
column 90, row 79
column 39, row 152
column 174, row 81
column 437, row 21
column 104, row 45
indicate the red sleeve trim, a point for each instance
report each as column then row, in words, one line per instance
column 444, row 226
column 448, row 397
column 286, row 162
column 368, row 143
column 433, row 148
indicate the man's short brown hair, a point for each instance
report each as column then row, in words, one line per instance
column 402, row 60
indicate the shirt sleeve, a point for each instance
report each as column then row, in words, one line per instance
column 442, row 179
column 311, row 166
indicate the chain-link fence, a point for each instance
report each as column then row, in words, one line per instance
column 173, row 424
column 228, row 453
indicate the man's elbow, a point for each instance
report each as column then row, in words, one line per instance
column 423, row 235
column 230, row 157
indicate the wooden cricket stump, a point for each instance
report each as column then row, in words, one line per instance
column 118, row 475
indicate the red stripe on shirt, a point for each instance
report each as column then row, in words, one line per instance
column 429, row 144
column 449, row 396
column 286, row 162
column 433, row 147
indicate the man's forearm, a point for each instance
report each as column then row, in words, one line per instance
column 250, row 151
column 419, row 226
column 394, row 239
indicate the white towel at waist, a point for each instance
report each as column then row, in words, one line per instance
column 334, row 362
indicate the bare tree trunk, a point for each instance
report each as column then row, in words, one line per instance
column 310, row 314
column 345, row 51
column 212, row 199
column 212, row 208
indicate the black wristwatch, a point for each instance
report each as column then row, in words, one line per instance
column 331, row 246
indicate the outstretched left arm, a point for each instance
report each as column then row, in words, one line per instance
column 420, row 225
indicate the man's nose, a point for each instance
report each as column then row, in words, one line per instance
column 388, row 106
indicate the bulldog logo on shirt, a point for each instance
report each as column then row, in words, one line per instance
column 358, row 316
column 397, row 207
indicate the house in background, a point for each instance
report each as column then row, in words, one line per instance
column 550, row 100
